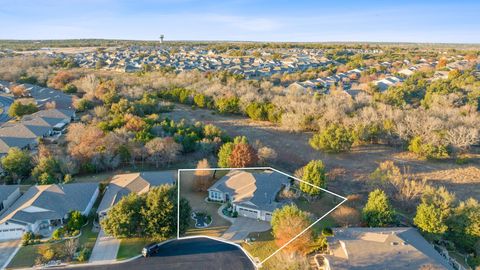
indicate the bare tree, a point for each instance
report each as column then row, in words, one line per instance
column 203, row 178
column 462, row 137
column 69, row 248
column 163, row 150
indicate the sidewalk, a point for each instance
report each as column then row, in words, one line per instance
column 8, row 249
column 105, row 249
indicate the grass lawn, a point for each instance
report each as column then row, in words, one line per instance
column 197, row 201
column 263, row 245
column 27, row 255
column 320, row 206
column 98, row 177
column 130, row 247
column 88, row 237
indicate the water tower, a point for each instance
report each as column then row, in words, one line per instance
column 161, row 38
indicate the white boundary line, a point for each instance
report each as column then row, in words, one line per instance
column 251, row 168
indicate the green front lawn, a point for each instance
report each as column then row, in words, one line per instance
column 88, row 237
column 131, row 247
column 263, row 245
column 27, row 255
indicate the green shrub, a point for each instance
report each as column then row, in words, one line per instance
column 334, row 138
column 327, row 231
column 228, row 105
column 27, row 238
column 428, row 150
column 17, row 109
column 83, row 255
column 58, row 234
column 70, row 88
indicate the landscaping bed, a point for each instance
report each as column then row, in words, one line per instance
column 202, row 220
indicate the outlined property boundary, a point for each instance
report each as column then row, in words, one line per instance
column 258, row 265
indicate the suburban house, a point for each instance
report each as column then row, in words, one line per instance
column 124, row 184
column 252, row 194
column 8, row 194
column 380, row 248
column 44, row 95
column 42, row 208
column 385, row 83
column 25, row 133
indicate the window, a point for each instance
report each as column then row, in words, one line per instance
column 215, row 195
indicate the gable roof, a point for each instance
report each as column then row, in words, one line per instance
column 6, row 191
column 50, row 201
column 257, row 190
column 124, row 184
column 8, row 142
column 399, row 248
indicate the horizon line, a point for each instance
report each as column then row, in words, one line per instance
column 248, row 41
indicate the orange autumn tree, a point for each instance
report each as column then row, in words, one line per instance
column 243, row 155
column 288, row 222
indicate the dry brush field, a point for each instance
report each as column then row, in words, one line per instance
column 351, row 169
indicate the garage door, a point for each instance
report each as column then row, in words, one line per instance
column 245, row 212
column 8, row 234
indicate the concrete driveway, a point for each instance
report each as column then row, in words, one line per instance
column 7, row 250
column 105, row 249
column 243, row 226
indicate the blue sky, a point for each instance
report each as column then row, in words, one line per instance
column 250, row 20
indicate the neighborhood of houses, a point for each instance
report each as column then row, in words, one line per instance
column 252, row 195
column 132, row 59
column 183, row 58
column 24, row 134
column 46, row 124
column 43, row 208
column 349, row 80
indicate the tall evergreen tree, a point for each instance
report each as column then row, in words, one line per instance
column 378, row 212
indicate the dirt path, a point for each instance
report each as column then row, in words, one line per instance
column 354, row 167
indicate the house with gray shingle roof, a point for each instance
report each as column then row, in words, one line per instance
column 8, row 194
column 252, row 194
column 380, row 248
column 44, row 207
column 24, row 134
column 124, row 184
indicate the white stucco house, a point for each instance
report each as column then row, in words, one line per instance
column 42, row 208
column 252, row 194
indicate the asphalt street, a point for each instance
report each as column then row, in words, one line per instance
column 188, row 254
